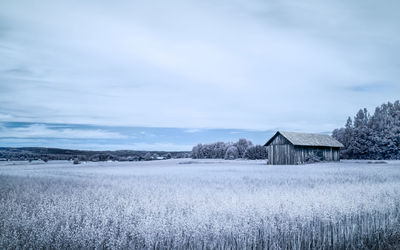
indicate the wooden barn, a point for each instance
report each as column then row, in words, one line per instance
column 289, row 148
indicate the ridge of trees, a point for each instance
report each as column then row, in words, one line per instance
column 375, row 136
column 46, row 154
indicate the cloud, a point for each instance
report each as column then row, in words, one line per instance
column 196, row 64
column 37, row 131
column 6, row 117
column 17, row 134
column 373, row 87
column 90, row 145
column 192, row 130
column 155, row 146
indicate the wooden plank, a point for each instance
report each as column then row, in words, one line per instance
column 280, row 153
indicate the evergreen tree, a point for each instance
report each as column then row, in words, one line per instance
column 372, row 137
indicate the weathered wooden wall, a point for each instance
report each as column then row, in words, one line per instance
column 282, row 152
column 324, row 153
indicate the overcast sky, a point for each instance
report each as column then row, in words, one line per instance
column 238, row 65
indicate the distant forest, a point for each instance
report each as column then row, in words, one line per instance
column 375, row 136
column 46, row 154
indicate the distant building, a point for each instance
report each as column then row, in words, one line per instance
column 289, row 148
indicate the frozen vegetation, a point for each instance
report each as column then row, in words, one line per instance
column 197, row 204
column 229, row 151
column 375, row 136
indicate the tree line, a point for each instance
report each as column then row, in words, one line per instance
column 229, row 150
column 46, row 154
column 375, row 136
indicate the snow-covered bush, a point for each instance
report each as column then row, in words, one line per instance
column 217, row 150
column 231, row 153
column 242, row 145
column 257, row 152
column 312, row 158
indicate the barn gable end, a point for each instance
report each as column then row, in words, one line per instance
column 288, row 148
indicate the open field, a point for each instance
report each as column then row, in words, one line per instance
column 189, row 203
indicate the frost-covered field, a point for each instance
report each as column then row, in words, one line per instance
column 199, row 204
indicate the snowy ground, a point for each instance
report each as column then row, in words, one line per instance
column 189, row 203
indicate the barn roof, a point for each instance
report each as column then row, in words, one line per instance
column 306, row 139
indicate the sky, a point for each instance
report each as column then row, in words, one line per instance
column 166, row 75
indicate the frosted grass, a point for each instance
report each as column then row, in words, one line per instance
column 197, row 204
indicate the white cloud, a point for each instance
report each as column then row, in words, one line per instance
column 43, row 131
column 87, row 145
column 200, row 64
column 6, row 117
column 154, row 146
column 192, row 130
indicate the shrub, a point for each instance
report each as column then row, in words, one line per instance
column 256, row 152
column 311, row 158
column 231, row 153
